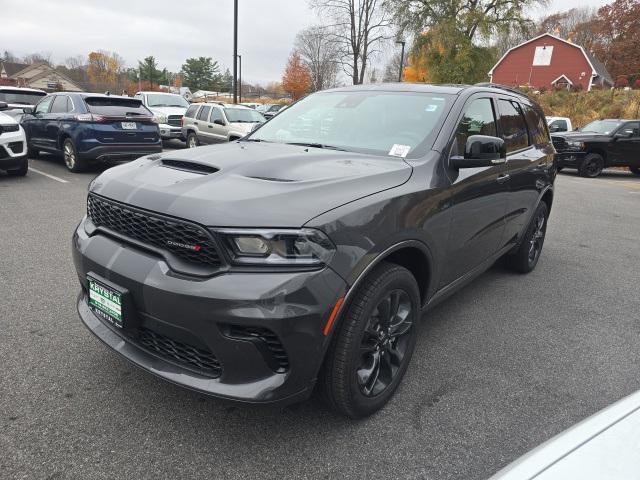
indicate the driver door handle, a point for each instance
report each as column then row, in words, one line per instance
column 503, row 177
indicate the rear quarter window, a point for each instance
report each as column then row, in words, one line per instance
column 116, row 106
column 537, row 125
column 514, row 127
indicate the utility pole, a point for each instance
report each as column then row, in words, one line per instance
column 235, row 51
column 401, row 42
column 240, row 80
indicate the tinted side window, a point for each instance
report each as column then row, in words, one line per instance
column 632, row 129
column 478, row 119
column 537, row 125
column 191, row 111
column 203, row 114
column 216, row 114
column 514, row 128
column 59, row 104
column 43, row 106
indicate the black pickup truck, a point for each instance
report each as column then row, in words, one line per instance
column 600, row 144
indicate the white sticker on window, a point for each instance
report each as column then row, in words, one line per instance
column 431, row 108
column 399, row 150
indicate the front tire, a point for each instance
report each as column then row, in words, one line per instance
column 71, row 158
column 525, row 259
column 635, row 170
column 591, row 166
column 371, row 349
column 192, row 140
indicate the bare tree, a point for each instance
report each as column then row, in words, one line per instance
column 393, row 66
column 320, row 53
column 357, row 28
column 573, row 24
column 39, row 57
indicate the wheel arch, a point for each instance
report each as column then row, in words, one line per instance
column 598, row 150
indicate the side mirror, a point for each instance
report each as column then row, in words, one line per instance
column 28, row 110
column 481, row 151
column 554, row 128
column 4, row 106
column 623, row 135
column 219, row 122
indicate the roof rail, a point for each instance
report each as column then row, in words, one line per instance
column 499, row 86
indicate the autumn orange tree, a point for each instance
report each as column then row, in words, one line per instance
column 103, row 69
column 296, row 79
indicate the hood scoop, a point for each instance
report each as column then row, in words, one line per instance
column 187, row 166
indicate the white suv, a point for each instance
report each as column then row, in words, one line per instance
column 13, row 145
column 168, row 110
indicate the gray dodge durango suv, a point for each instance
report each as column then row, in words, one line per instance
column 303, row 256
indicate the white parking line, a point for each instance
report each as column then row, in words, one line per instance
column 52, row 177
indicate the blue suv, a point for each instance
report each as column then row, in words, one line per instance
column 87, row 127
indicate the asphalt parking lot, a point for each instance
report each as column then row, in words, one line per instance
column 500, row 367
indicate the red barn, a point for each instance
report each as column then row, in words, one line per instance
column 549, row 61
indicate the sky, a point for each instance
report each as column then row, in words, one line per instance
column 170, row 30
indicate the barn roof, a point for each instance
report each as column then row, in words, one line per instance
column 13, row 67
column 597, row 67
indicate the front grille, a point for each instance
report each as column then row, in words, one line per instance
column 16, row 147
column 174, row 120
column 267, row 342
column 187, row 241
column 196, row 359
column 9, row 128
column 559, row 143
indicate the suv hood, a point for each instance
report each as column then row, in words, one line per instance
column 255, row 185
column 578, row 136
column 242, row 127
column 7, row 119
column 168, row 110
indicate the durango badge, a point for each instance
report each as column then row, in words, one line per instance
column 193, row 248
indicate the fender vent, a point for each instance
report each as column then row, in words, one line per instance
column 189, row 166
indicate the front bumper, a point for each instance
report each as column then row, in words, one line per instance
column 170, row 131
column 199, row 312
column 13, row 150
column 570, row 159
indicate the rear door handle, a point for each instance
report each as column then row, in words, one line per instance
column 210, row 126
column 195, row 123
column 503, row 177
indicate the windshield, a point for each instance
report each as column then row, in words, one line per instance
column 243, row 115
column 380, row 123
column 21, row 97
column 165, row 100
column 601, row 126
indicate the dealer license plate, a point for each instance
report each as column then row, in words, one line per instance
column 105, row 302
column 129, row 125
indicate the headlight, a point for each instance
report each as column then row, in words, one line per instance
column 304, row 247
column 160, row 118
column 575, row 145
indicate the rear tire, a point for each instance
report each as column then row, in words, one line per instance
column 525, row 259
column 591, row 166
column 372, row 346
column 22, row 170
column 635, row 170
column 192, row 140
column 71, row 158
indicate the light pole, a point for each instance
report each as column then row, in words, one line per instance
column 401, row 42
column 235, row 51
column 240, row 79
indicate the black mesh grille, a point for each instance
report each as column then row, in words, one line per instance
column 278, row 359
column 185, row 240
column 174, row 120
column 558, row 143
column 201, row 361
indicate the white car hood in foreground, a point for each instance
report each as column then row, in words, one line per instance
column 605, row 446
column 6, row 119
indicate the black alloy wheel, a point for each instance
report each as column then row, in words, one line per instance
column 591, row 166
column 372, row 342
column 525, row 258
column 384, row 343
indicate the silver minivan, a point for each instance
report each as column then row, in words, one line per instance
column 206, row 123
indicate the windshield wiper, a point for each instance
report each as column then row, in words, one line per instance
column 317, row 145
